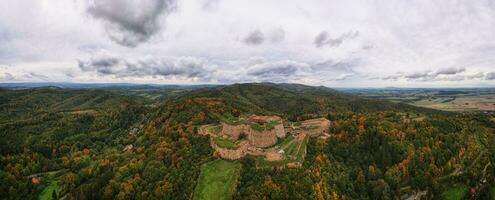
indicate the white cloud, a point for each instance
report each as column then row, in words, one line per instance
column 393, row 42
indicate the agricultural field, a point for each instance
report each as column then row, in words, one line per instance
column 459, row 100
column 217, row 180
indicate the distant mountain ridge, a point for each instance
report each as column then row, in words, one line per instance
column 288, row 100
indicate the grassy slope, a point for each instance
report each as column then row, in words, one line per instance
column 46, row 194
column 455, row 193
column 217, row 180
column 226, row 143
column 295, row 151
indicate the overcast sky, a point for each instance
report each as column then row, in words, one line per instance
column 401, row 43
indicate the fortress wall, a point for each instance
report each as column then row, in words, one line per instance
column 231, row 154
column 232, row 130
column 263, row 138
column 279, row 130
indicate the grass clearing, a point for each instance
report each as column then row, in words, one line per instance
column 457, row 192
column 46, row 194
column 271, row 125
column 257, row 127
column 261, row 162
column 492, row 192
column 302, row 150
column 286, row 141
column 226, row 143
column 214, row 129
column 217, row 180
column 231, row 120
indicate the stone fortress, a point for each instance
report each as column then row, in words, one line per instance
column 261, row 136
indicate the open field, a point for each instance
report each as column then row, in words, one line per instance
column 455, row 193
column 217, row 180
column 492, row 192
column 46, row 194
column 464, row 100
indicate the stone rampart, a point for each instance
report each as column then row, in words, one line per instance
column 231, row 154
column 262, row 138
column 234, row 131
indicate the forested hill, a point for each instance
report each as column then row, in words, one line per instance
column 288, row 100
column 25, row 103
column 135, row 144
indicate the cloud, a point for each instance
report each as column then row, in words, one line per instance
column 392, row 77
column 130, row 22
column 323, row 38
column 278, row 69
column 277, row 35
column 441, row 74
column 105, row 64
column 211, row 5
column 335, row 66
column 417, row 75
column 478, row 75
column 490, row 76
column 340, row 77
column 6, row 77
column 449, row 71
column 254, row 38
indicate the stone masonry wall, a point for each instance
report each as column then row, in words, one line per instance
column 231, row 154
column 263, row 138
column 233, row 130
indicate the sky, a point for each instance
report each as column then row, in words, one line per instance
column 367, row 43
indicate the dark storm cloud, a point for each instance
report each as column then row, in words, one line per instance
column 130, row 22
column 324, row 39
column 254, row 38
column 183, row 67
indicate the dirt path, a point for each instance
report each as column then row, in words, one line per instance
column 46, row 173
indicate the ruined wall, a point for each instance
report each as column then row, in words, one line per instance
column 231, row 154
column 264, row 119
column 280, row 130
column 263, row 138
column 233, row 130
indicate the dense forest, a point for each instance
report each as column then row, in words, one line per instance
column 143, row 144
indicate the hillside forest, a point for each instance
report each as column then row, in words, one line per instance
column 143, row 143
